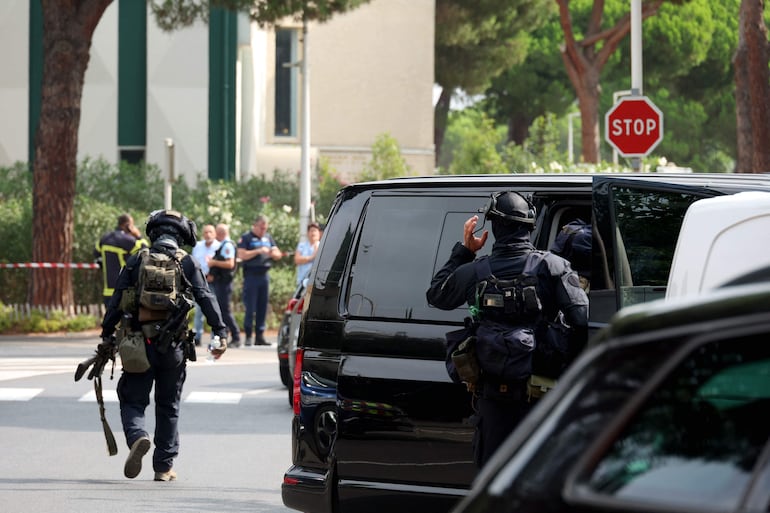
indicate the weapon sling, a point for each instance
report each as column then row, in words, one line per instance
column 112, row 447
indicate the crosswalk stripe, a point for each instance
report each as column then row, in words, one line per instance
column 214, row 397
column 18, row 394
column 110, row 396
column 19, row 368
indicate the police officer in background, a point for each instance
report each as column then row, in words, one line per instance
column 501, row 406
column 167, row 230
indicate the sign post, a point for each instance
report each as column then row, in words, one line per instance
column 634, row 126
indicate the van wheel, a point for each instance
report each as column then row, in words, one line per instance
column 325, row 429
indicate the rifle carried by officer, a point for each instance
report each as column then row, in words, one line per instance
column 96, row 363
column 174, row 326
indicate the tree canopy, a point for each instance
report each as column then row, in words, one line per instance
column 173, row 14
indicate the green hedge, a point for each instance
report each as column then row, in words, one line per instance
column 104, row 191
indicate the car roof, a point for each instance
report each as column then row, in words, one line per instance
column 718, row 181
column 721, row 303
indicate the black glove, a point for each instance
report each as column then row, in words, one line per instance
column 107, row 348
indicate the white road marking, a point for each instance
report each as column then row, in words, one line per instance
column 19, row 368
column 214, row 397
column 18, row 394
column 110, row 396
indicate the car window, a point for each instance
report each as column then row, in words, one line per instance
column 697, row 438
column 404, row 240
column 647, row 224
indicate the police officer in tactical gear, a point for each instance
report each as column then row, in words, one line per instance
column 501, row 406
column 167, row 230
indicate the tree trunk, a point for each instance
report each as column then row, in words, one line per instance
column 518, row 128
column 752, row 81
column 67, row 32
column 585, row 59
column 440, row 116
column 744, row 148
column 587, row 90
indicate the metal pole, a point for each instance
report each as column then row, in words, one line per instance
column 570, row 136
column 304, row 182
column 636, row 60
column 170, row 174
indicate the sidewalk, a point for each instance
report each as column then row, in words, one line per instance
column 90, row 338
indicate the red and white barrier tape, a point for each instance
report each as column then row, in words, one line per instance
column 48, row 265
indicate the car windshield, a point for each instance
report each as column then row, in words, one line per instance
column 698, row 437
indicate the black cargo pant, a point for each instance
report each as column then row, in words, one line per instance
column 223, row 290
column 499, row 409
column 168, row 371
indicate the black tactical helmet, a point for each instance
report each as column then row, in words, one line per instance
column 511, row 207
column 171, row 222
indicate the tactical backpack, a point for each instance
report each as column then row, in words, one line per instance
column 508, row 312
column 160, row 284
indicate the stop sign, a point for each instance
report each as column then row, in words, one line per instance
column 634, row 126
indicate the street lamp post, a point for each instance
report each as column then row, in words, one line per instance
column 170, row 175
column 304, row 181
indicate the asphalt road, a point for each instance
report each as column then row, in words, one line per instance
column 234, row 434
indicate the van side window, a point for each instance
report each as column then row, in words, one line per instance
column 403, row 240
column 647, row 224
column 706, row 423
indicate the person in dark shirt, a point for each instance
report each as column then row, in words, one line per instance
column 256, row 250
column 500, row 406
column 112, row 250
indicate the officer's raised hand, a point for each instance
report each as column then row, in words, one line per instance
column 470, row 240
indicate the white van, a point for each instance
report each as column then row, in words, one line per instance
column 721, row 238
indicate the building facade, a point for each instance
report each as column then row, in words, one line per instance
column 226, row 96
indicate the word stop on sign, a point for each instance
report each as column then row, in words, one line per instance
column 621, row 127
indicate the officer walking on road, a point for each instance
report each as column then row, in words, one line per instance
column 151, row 303
column 500, row 404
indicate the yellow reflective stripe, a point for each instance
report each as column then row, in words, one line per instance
column 121, row 254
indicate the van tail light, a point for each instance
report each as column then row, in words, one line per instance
column 301, row 305
column 290, row 305
column 297, row 373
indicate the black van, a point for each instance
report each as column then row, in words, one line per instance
column 378, row 425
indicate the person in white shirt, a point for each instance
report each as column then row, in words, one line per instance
column 203, row 248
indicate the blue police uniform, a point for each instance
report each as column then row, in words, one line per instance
column 256, row 284
column 222, row 287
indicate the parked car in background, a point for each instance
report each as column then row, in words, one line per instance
column 378, row 425
column 666, row 411
column 287, row 331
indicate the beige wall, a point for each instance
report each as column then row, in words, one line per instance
column 14, row 79
column 371, row 72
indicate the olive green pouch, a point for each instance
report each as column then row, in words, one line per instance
column 133, row 352
column 538, row 386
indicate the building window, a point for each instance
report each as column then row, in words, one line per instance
column 131, row 155
column 286, row 78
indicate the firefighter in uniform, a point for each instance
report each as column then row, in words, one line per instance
column 112, row 250
column 501, row 406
